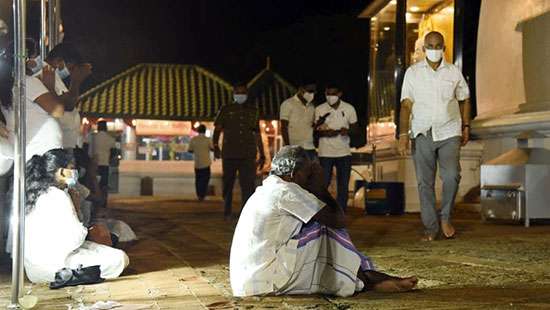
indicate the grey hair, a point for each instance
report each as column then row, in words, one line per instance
column 288, row 160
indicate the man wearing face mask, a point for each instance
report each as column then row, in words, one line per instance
column 297, row 115
column 62, row 57
column 437, row 96
column 334, row 143
column 241, row 137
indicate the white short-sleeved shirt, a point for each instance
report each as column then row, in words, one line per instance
column 42, row 130
column 435, row 95
column 102, row 145
column 271, row 217
column 300, row 119
column 201, row 146
column 339, row 118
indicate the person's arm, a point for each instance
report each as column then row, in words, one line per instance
column 463, row 97
column 284, row 116
column 407, row 100
column 78, row 75
column 352, row 121
column 51, row 104
column 260, row 146
column 331, row 215
column 284, row 132
column 37, row 91
column 404, row 120
column 216, row 138
column 190, row 147
column 218, row 129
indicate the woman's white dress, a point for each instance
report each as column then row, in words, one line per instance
column 55, row 238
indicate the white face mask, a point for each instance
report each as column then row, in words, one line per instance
column 38, row 65
column 308, row 96
column 332, row 100
column 72, row 180
column 240, row 98
column 63, row 73
column 434, row 55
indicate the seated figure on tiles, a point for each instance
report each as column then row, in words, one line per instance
column 54, row 236
column 291, row 238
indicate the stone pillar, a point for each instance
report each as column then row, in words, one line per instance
column 129, row 145
column 536, row 63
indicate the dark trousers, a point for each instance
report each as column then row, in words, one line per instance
column 247, row 180
column 202, row 178
column 343, row 172
column 103, row 172
column 311, row 154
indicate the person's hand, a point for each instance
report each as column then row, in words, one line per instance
column 261, row 162
column 217, row 152
column 4, row 132
column 48, row 78
column 75, row 197
column 330, row 133
column 403, row 145
column 344, row 131
column 81, row 72
column 465, row 136
column 99, row 233
column 316, row 184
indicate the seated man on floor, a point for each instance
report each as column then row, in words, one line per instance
column 290, row 238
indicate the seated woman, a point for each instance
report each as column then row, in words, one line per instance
column 54, row 237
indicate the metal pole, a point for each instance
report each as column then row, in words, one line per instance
column 57, row 21
column 43, row 30
column 52, row 31
column 18, row 224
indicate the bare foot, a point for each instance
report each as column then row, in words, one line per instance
column 448, row 229
column 396, row 285
column 427, row 238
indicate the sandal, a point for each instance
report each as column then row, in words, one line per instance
column 73, row 277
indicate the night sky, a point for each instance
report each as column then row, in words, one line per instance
column 320, row 40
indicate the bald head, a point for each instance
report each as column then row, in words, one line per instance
column 434, row 40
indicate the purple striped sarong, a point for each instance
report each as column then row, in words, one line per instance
column 314, row 230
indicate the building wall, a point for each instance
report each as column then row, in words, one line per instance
column 499, row 69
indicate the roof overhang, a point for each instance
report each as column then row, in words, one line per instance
column 373, row 8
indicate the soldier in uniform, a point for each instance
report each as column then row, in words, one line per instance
column 241, row 142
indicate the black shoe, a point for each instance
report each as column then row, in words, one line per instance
column 73, row 277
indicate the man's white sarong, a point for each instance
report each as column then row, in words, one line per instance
column 275, row 252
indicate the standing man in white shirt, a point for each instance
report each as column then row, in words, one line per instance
column 201, row 146
column 335, row 119
column 103, row 142
column 437, row 96
column 297, row 115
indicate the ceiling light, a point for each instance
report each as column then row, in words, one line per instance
column 414, row 8
column 387, row 28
